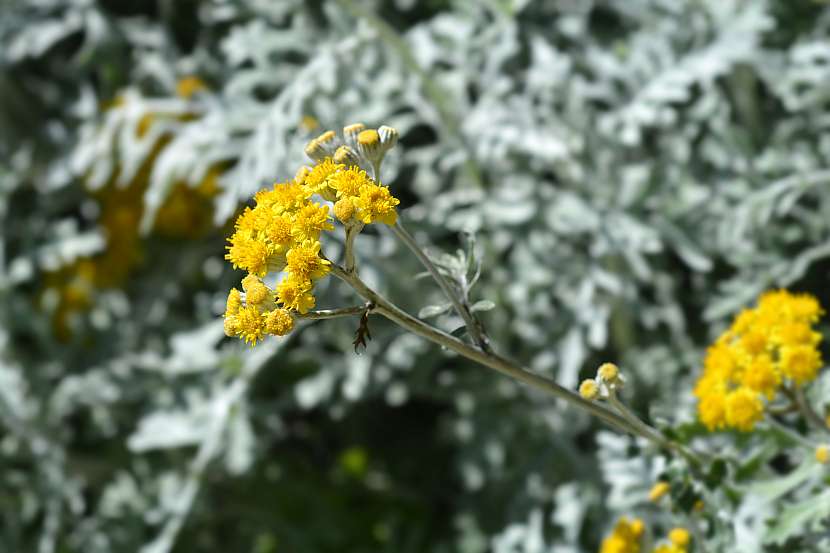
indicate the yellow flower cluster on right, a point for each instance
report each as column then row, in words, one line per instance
column 281, row 233
column 627, row 537
column 766, row 348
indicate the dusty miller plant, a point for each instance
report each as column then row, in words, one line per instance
column 627, row 176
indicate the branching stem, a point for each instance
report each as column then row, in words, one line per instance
column 463, row 311
column 498, row 363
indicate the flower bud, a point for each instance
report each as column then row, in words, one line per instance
column 680, row 537
column 388, row 137
column 345, row 155
column 589, row 389
column 344, row 209
column 351, row 132
column 609, row 373
column 822, row 454
column 658, row 490
column 322, row 147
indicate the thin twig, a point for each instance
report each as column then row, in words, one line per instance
column 333, row 313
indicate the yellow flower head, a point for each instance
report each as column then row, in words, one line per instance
column 310, row 221
column 256, row 293
column 190, row 85
column 249, row 254
column 234, row 302
column 743, row 409
column 712, row 410
column 279, row 322
column 658, row 491
column 317, row 180
column 250, row 324
column 589, row 389
column 344, row 210
column 625, row 538
column 823, row 454
column 295, row 294
column 762, row 376
column 609, row 372
column 279, row 230
column 377, row 204
column 800, row 363
column 348, row 183
column 304, row 261
column 680, row 537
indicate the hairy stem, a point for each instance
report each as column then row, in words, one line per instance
column 800, row 401
column 351, row 233
column 320, row 314
column 463, row 311
column 496, row 362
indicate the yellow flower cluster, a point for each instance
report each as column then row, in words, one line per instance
column 187, row 213
column 281, row 233
column 627, row 537
column 770, row 346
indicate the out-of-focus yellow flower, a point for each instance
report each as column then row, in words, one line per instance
column 765, row 348
column 625, row 538
column 658, row 491
column 589, row 389
column 190, row 85
column 823, row 454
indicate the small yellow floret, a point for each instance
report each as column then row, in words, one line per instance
column 658, row 491
column 344, row 209
column 822, row 454
column 377, row 204
column 589, row 389
column 680, row 537
column 304, row 261
column 256, row 292
column 279, row 322
column 609, row 372
column 369, row 137
column 743, row 409
column 800, row 363
column 317, row 180
column 188, row 86
column 310, row 221
column 295, row 294
column 234, row 302
column 251, row 324
column 348, row 183
column 625, row 538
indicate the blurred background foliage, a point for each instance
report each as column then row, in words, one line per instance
column 630, row 174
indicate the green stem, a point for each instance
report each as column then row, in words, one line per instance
column 489, row 359
column 798, row 399
column 656, row 437
column 321, row 314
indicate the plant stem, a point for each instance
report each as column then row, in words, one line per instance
column 333, row 313
column 798, row 399
column 494, row 361
column 352, row 230
column 630, row 416
column 463, row 311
